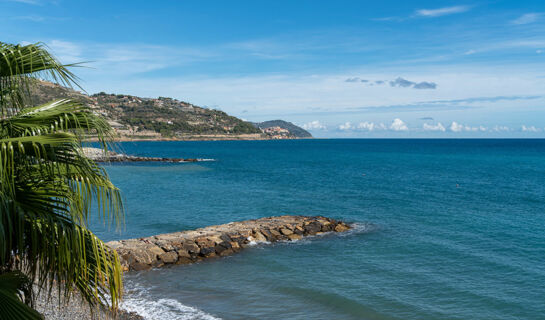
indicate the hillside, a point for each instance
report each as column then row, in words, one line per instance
column 164, row 118
column 296, row 131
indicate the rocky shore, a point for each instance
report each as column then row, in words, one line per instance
column 221, row 240
column 188, row 247
column 110, row 156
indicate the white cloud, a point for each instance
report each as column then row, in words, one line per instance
column 441, row 11
column 527, row 18
column 500, row 129
column 371, row 126
column 67, row 52
column 457, row 127
column 530, row 128
column 314, row 125
column 398, row 125
column 345, row 126
column 126, row 59
column 432, row 127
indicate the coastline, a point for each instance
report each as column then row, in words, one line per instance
column 204, row 138
column 188, row 247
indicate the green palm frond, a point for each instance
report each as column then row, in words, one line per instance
column 12, row 284
column 20, row 65
column 48, row 186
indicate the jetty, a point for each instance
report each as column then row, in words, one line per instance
column 100, row 155
column 221, row 240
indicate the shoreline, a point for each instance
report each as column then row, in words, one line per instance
column 205, row 139
column 188, row 247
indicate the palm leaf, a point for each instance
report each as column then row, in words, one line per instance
column 11, row 305
column 47, row 185
column 20, row 65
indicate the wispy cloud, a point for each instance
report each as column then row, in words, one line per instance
column 365, row 126
column 527, row 18
column 483, row 99
column 33, row 2
column 37, row 18
column 31, row 18
column 525, row 128
column 500, row 129
column 433, row 127
column 441, row 11
column 457, row 127
column 314, row 125
column 126, row 59
column 398, row 82
column 356, row 79
column 371, row 126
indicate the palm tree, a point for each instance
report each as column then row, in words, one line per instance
column 48, row 188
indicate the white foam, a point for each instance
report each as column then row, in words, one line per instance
column 254, row 242
column 161, row 309
column 359, row 227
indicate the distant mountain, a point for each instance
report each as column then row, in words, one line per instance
column 166, row 118
column 294, row 130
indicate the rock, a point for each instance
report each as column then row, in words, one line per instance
column 138, row 266
column 294, row 236
column 268, row 235
column 208, row 252
column 184, row 260
column 235, row 246
column 341, row 227
column 326, row 227
column 240, row 239
column 275, row 233
column 313, row 227
column 226, row 252
column 169, row 257
column 184, row 254
column 286, row 231
column 225, row 237
column 259, row 237
column 204, row 242
column 189, row 246
column 146, row 254
column 299, row 230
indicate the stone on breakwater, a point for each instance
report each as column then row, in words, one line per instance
column 221, row 240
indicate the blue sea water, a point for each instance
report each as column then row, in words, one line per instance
column 443, row 229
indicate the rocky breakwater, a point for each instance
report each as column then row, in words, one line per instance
column 221, row 240
column 100, row 155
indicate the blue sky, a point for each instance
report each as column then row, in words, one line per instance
column 338, row 68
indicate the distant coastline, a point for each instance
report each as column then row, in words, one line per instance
column 207, row 138
column 165, row 119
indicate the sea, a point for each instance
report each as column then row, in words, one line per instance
column 442, row 229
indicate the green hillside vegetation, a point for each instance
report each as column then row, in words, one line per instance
column 162, row 117
column 167, row 116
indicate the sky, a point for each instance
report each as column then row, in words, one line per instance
column 354, row 69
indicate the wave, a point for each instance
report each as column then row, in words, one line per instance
column 141, row 302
